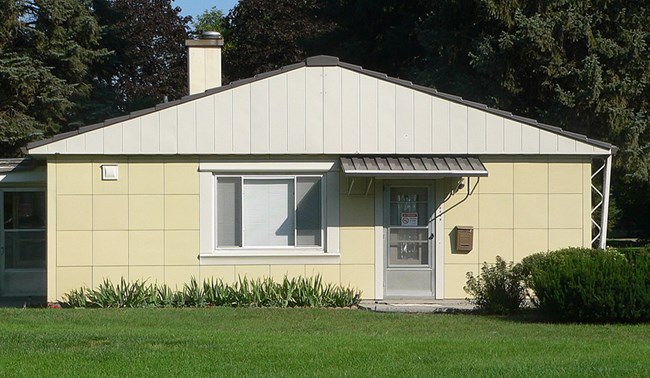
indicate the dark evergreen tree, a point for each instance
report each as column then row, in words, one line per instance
column 46, row 47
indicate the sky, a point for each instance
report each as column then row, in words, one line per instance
column 195, row 7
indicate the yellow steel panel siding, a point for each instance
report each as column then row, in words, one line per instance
column 455, row 278
column 565, row 176
column 110, row 212
column 181, row 247
column 146, row 177
column 113, row 274
column 531, row 177
column 225, row 273
column 529, row 241
column 357, row 245
column 278, row 272
column 495, row 242
column 530, row 211
column 329, row 273
column 495, row 211
column 74, row 213
column 361, row 277
column 110, row 248
column 252, row 272
column 74, row 248
column 146, row 212
column 181, row 177
column 126, row 228
column 177, row 276
column 182, row 212
column 525, row 206
column 72, row 178
column 146, row 248
column 357, row 238
column 150, row 274
column 69, row 278
column 563, row 238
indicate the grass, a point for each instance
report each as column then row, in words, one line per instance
column 309, row 342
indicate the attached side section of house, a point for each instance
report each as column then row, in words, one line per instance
column 318, row 168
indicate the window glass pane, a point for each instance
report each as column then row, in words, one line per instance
column 308, row 211
column 24, row 210
column 268, row 212
column 228, row 212
column 24, row 249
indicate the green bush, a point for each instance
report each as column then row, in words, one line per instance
column 590, row 285
column 296, row 292
column 498, row 289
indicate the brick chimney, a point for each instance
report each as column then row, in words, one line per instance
column 204, row 62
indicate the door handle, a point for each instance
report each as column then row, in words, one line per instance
column 431, row 236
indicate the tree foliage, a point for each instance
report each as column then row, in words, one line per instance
column 265, row 35
column 46, row 47
column 148, row 60
column 211, row 19
column 579, row 65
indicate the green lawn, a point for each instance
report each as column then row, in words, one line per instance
column 309, row 342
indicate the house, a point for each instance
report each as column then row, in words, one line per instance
column 320, row 167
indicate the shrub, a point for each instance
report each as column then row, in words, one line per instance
column 498, row 289
column 589, row 285
column 295, row 292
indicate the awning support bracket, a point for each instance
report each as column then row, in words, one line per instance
column 372, row 179
column 350, row 185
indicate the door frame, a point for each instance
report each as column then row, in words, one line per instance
column 437, row 186
column 431, row 267
column 3, row 270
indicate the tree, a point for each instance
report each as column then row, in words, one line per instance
column 148, row 60
column 211, row 19
column 579, row 65
column 264, row 35
column 46, row 47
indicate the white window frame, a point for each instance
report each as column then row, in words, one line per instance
column 326, row 254
column 294, row 178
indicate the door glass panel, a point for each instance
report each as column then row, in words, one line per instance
column 24, row 235
column 409, row 246
column 409, row 231
column 409, row 207
column 25, row 249
column 24, row 210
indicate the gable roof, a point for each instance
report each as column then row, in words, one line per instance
column 320, row 106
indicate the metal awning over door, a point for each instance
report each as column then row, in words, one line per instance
column 413, row 166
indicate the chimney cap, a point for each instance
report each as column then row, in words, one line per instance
column 210, row 34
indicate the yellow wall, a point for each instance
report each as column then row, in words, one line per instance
column 146, row 224
column 524, row 206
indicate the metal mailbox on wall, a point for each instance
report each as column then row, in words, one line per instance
column 464, row 238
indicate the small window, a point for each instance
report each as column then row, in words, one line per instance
column 269, row 211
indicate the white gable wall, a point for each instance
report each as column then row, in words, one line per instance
column 320, row 110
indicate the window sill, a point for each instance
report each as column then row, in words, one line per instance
column 269, row 257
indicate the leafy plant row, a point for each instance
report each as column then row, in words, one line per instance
column 294, row 292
